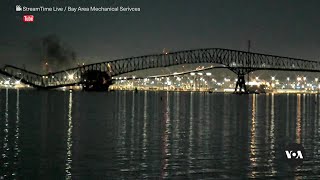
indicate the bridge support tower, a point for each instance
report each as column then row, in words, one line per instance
column 241, row 82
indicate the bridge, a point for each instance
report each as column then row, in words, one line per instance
column 100, row 75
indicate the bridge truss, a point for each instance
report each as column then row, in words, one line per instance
column 240, row 62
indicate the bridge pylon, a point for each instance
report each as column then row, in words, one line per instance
column 241, row 82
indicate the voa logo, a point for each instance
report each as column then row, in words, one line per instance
column 292, row 154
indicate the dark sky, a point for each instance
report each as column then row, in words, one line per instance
column 289, row 28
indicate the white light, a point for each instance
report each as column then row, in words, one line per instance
column 192, row 74
column 288, row 79
column 253, row 83
column 6, row 82
column 273, row 78
column 257, row 78
column 304, row 78
column 200, row 74
column 208, row 74
column 17, row 82
column 70, row 76
column 298, row 78
column 316, row 79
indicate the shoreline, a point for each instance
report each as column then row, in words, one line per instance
column 191, row 91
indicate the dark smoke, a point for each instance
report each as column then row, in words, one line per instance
column 51, row 50
column 56, row 53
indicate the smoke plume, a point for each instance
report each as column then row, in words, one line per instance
column 56, row 55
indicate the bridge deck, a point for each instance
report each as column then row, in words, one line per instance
column 240, row 62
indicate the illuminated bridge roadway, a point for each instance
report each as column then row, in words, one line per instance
column 100, row 75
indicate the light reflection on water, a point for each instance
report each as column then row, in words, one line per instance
column 69, row 140
column 127, row 135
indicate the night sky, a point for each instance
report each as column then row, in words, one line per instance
column 289, row 28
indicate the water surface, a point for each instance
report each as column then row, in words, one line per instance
column 127, row 135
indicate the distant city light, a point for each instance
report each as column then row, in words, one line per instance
column 208, row 74
column 273, row 78
column 192, row 74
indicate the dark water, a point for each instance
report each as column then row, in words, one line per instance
column 155, row 135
